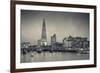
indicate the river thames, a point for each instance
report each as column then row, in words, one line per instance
column 54, row 56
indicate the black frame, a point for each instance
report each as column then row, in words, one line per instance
column 13, row 36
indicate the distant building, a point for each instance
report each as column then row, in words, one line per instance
column 75, row 42
column 39, row 42
column 25, row 44
column 53, row 39
column 43, row 40
column 44, row 35
column 67, row 42
column 80, row 42
column 58, row 46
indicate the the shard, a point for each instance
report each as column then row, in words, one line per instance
column 44, row 35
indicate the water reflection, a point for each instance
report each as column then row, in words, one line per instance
column 54, row 56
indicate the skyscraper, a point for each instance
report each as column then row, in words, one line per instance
column 44, row 36
column 53, row 39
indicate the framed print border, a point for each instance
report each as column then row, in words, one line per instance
column 13, row 35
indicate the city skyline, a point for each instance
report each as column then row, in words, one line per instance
column 62, row 24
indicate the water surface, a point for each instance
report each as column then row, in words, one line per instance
column 54, row 56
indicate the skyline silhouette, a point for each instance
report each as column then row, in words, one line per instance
column 62, row 24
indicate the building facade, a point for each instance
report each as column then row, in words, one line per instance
column 43, row 40
column 53, row 39
column 75, row 42
column 44, row 35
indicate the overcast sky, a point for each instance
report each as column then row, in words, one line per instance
column 62, row 24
